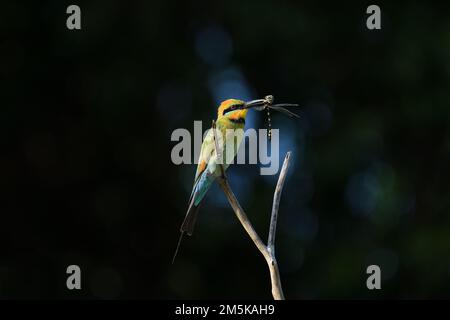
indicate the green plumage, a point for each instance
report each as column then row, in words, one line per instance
column 230, row 131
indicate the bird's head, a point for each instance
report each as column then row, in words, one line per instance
column 232, row 109
column 236, row 110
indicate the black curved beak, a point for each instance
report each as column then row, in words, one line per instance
column 254, row 104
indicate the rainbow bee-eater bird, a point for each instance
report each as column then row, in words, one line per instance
column 231, row 117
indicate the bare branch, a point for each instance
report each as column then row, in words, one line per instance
column 243, row 217
column 267, row 251
column 218, row 151
column 216, row 143
column 276, row 203
column 277, row 291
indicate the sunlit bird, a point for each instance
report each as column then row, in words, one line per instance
column 230, row 118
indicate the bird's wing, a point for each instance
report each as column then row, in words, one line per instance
column 206, row 152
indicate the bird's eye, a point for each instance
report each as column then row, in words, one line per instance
column 230, row 108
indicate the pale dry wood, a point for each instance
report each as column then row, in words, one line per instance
column 268, row 251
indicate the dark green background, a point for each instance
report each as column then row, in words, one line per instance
column 86, row 120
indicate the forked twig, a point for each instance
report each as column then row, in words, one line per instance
column 267, row 251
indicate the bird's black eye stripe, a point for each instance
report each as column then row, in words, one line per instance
column 231, row 108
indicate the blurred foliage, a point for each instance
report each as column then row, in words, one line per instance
column 85, row 167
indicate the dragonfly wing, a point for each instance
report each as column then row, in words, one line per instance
column 285, row 111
